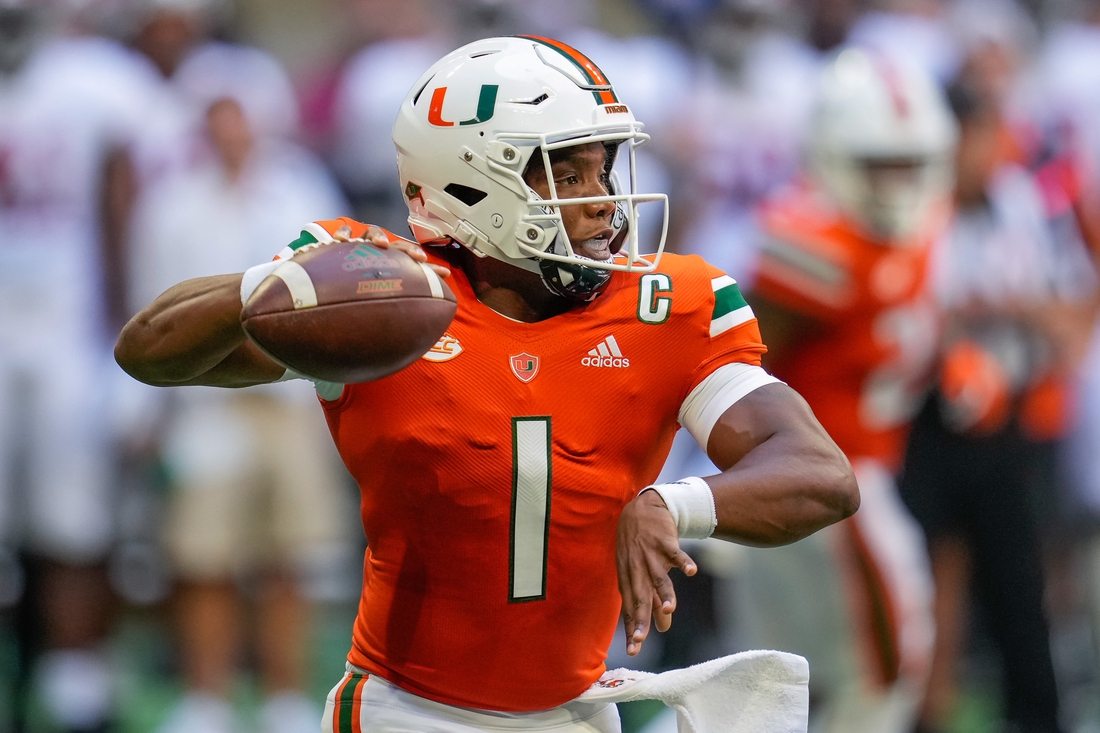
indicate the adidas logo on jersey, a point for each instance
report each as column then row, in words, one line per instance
column 607, row 354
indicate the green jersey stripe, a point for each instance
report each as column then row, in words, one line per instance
column 731, row 320
column 319, row 232
column 727, row 300
column 302, row 241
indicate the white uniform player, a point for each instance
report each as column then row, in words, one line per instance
column 60, row 115
column 63, row 111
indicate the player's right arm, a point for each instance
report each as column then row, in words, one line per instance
column 192, row 334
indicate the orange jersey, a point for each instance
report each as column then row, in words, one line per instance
column 863, row 365
column 493, row 472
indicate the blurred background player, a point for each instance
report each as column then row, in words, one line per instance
column 980, row 472
column 243, row 508
column 65, row 190
column 841, row 277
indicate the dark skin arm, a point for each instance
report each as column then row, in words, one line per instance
column 783, row 478
column 192, row 333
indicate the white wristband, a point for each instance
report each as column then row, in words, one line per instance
column 691, row 504
column 253, row 276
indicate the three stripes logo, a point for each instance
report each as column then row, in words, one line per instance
column 606, row 354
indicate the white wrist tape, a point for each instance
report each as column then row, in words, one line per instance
column 691, row 504
column 253, row 276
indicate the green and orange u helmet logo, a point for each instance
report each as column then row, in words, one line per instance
column 486, row 106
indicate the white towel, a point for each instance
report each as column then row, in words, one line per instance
column 750, row 692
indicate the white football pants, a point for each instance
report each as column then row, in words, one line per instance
column 374, row 705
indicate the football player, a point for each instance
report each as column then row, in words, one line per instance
column 842, row 281
column 505, row 476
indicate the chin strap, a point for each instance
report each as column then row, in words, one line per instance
column 574, row 281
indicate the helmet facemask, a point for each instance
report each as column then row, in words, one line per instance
column 564, row 270
column 574, row 278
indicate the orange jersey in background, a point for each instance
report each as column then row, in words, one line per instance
column 493, row 472
column 864, row 365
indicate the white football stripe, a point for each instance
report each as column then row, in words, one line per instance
column 718, row 283
column 731, row 319
column 433, row 280
column 298, row 283
column 614, row 346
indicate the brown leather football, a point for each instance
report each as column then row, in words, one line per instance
column 348, row 312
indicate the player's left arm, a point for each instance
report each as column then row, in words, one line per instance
column 783, row 478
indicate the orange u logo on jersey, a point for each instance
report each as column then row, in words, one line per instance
column 486, row 106
column 524, row 366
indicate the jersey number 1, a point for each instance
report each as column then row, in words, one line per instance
column 530, row 509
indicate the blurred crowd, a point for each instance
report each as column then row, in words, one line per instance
column 906, row 190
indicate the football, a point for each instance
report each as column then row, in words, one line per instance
column 348, row 312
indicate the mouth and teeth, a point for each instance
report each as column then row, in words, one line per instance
column 596, row 248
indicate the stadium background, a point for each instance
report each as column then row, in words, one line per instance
column 726, row 86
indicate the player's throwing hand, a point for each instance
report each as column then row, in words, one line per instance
column 648, row 547
column 378, row 237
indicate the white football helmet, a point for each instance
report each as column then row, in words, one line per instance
column 882, row 143
column 466, row 132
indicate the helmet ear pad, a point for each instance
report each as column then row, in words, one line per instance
column 621, row 224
